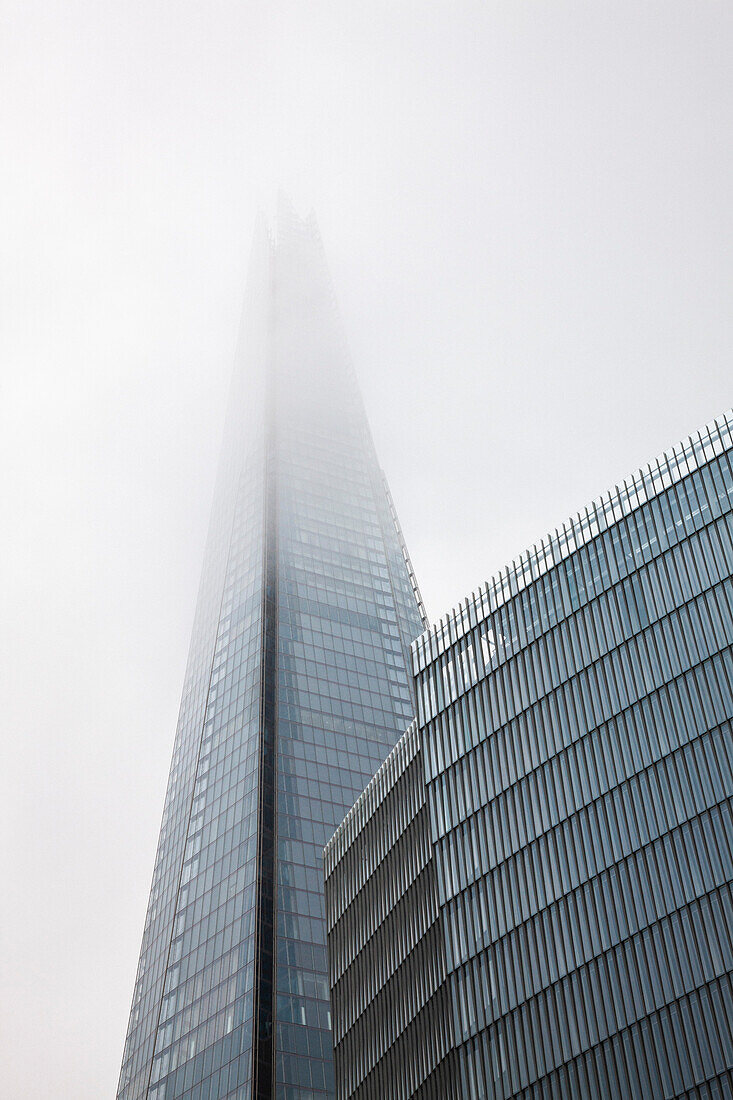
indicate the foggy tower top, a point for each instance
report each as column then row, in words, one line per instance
column 295, row 691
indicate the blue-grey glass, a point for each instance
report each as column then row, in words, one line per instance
column 346, row 617
column 296, row 690
column 575, row 734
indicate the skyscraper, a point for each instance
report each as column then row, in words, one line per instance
column 533, row 898
column 296, row 689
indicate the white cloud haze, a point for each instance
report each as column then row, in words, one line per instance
column 527, row 212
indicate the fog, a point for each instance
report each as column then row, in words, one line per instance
column 526, row 210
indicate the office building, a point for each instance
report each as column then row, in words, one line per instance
column 297, row 688
column 532, row 898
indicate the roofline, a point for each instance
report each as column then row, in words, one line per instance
column 625, row 497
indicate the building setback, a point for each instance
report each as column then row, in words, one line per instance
column 297, row 687
column 532, row 898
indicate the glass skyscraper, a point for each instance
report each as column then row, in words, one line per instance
column 296, row 689
column 557, row 823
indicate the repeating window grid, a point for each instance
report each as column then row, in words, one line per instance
column 663, row 584
column 645, row 486
column 548, row 729
column 369, row 803
column 466, row 992
column 372, row 1027
column 616, row 688
column 509, row 975
column 161, row 940
column 660, row 878
column 663, row 1053
column 218, row 763
column 679, row 784
column 579, row 777
column 222, row 871
column 343, row 695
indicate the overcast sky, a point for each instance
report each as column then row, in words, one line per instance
column 527, row 211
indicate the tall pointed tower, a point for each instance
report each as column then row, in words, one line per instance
column 296, row 690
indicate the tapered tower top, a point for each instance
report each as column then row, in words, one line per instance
column 296, row 689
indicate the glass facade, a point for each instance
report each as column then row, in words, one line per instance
column 574, row 719
column 297, row 688
column 392, row 1021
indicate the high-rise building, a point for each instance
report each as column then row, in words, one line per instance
column 296, row 689
column 533, row 898
column 393, row 1034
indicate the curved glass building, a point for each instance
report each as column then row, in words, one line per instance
column 575, row 751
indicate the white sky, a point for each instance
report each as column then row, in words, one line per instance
column 527, row 210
